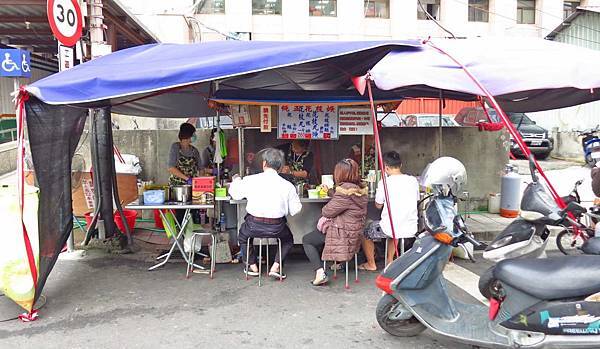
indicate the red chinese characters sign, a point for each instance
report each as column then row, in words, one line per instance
column 315, row 121
column 265, row 118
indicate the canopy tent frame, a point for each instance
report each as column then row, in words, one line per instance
column 52, row 92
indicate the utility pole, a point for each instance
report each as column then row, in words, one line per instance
column 96, row 28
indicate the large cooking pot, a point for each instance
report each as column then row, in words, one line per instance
column 181, row 193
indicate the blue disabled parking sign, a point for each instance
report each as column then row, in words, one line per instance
column 15, row 63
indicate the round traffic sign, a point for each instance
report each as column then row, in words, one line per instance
column 65, row 20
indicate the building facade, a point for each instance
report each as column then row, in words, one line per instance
column 208, row 20
column 581, row 28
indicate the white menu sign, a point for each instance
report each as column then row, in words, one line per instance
column 355, row 121
column 314, row 121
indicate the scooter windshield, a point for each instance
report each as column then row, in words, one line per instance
column 439, row 215
column 536, row 199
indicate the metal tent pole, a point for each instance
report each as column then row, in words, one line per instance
column 97, row 192
column 241, row 158
column 362, row 155
column 440, row 142
column 106, row 162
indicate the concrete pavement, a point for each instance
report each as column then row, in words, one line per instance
column 113, row 302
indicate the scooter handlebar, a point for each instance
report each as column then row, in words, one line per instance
column 472, row 240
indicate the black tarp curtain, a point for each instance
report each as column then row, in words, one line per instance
column 53, row 132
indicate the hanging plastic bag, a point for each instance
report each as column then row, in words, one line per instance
column 188, row 234
column 462, row 251
column 16, row 281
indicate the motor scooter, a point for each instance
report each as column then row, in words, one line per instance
column 591, row 145
column 527, row 236
column 537, row 303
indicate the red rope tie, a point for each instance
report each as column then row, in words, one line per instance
column 29, row 317
column 22, row 97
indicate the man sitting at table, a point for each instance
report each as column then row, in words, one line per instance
column 270, row 199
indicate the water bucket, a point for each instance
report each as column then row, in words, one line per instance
column 130, row 216
column 494, row 203
column 88, row 218
column 158, row 223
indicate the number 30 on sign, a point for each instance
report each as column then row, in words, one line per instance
column 65, row 20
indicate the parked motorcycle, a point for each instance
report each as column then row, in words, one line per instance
column 537, row 303
column 590, row 143
column 527, row 236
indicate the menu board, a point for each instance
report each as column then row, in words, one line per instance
column 355, row 121
column 315, row 121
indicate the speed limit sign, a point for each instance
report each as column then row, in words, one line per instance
column 65, row 20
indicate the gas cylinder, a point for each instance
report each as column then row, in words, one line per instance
column 510, row 193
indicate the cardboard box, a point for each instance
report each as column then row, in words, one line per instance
column 203, row 189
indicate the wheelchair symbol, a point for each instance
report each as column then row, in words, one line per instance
column 8, row 65
column 24, row 65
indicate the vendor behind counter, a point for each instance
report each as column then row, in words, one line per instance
column 184, row 159
column 299, row 160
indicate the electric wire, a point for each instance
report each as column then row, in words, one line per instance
column 434, row 20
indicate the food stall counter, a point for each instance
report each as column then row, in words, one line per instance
column 306, row 220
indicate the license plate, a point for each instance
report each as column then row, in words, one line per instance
column 536, row 143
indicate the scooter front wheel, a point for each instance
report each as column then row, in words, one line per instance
column 388, row 318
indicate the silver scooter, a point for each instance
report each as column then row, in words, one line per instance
column 537, row 303
column 528, row 236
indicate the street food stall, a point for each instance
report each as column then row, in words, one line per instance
column 195, row 80
column 332, row 130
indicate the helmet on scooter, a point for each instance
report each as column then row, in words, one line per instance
column 445, row 176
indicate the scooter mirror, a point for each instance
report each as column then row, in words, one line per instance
column 532, row 168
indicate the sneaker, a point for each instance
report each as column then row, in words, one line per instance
column 277, row 275
column 320, row 282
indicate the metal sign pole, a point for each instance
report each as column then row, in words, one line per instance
column 362, row 154
column 241, row 158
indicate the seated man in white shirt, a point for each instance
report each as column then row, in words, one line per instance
column 270, row 199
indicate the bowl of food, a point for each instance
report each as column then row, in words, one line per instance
column 313, row 193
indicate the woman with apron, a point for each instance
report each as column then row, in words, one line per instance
column 184, row 160
column 299, row 161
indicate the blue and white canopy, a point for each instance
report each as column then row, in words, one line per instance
column 176, row 80
column 169, row 80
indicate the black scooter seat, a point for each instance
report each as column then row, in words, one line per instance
column 591, row 246
column 552, row 278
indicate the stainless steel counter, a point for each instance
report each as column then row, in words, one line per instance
column 302, row 200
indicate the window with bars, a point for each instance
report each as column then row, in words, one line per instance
column 266, row 7
column 322, row 8
column 569, row 7
column 211, row 7
column 526, row 11
column 479, row 10
column 431, row 6
column 377, row 8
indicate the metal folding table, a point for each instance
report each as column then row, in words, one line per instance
column 180, row 227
